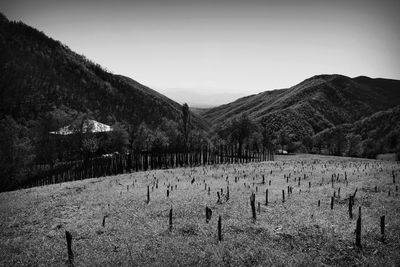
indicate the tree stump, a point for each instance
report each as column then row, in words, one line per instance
column 208, row 214
column 69, row 247
column 383, row 228
column 358, row 233
column 253, row 206
column 351, row 207
column 219, row 229
column 170, row 219
column 104, row 221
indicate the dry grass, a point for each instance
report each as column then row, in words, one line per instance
column 296, row 232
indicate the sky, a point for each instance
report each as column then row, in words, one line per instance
column 219, row 50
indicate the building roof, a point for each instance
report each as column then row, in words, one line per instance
column 90, row 126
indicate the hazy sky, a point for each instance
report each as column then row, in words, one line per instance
column 213, row 47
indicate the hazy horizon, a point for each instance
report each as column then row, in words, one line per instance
column 223, row 47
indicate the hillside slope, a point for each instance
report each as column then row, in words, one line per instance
column 303, row 230
column 378, row 133
column 382, row 123
column 40, row 75
column 313, row 105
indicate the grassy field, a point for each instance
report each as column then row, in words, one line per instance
column 136, row 233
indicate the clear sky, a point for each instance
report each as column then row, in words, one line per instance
column 218, row 47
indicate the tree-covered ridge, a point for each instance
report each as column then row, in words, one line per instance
column 313, row 105
column 41, row 75
column 378, row 133
column 330, row 114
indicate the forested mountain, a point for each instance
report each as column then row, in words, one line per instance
column 366, row 137
column 314, row 105
column 40, row 75
column 44, row 86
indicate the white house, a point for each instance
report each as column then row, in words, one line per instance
column 91, row 126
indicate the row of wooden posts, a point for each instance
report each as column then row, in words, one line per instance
column 139, row 161
column 219, row 227
column 351, row 204
column 208, row 211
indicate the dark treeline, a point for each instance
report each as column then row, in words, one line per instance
column 138, row 161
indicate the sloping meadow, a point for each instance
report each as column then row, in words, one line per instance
column 304, row 219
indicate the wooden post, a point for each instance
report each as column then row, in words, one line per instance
column 69, row 247
column 383, row 228
column 358, row 233
column 332, row 203
column 148, row 194
column 351, row 207
column 283, row 196
column 253, row 206
column 259, row 208
column 219, row 198
column 266, row 197
column 319, row 203
column 104, row 220
column 170, row 219
column 219, row 229
column 208, row 214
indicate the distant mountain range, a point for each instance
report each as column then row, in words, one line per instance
column 314, row 105
column 196, row 99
